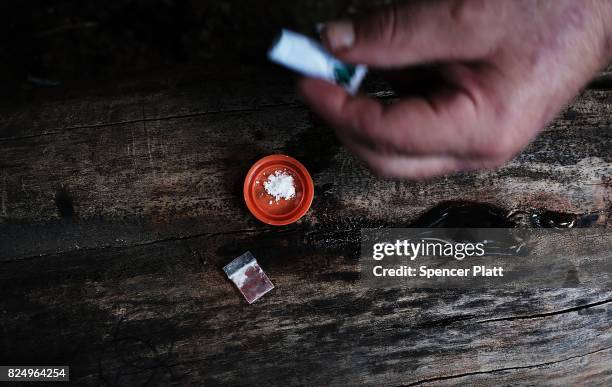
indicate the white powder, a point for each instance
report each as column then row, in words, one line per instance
column 280, row 185
column 240, row 276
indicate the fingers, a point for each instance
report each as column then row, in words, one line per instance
column 414, row 168
column 395, row 166
column 445, row 124
column 435, row 133
column 416, row 32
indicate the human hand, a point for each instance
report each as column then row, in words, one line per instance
column 508, row 68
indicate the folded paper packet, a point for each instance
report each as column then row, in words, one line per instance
column 248, row 277
column 308, row 57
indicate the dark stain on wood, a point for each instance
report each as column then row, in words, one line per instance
column 63, row 201
column 464, row 214
column 553, row 219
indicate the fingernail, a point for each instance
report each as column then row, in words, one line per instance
column 339, row 35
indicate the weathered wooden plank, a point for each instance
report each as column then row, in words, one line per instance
column 592, row 367
column 182, row 92
column 140, row 181
column 113, row 232
column 165, row 311
column 185, row 92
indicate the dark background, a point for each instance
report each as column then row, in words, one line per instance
column 51, row 46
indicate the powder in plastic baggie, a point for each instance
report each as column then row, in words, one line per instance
column 280, row 185
column 249, row 278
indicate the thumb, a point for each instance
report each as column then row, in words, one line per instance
column 413, row 33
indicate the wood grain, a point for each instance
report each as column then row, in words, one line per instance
column 118, row 209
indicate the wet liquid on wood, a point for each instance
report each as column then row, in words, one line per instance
column 479, row 215
column 345, row 234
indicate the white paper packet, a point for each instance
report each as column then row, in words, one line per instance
column 308, row 57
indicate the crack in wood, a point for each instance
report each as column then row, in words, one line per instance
column 492, row 371
column 146, row 243
column 470, row 317
column 547, row 314
column 601, row 83
column 152, row 119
